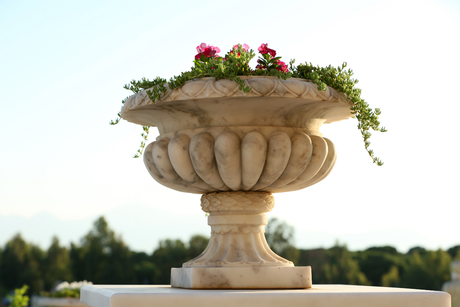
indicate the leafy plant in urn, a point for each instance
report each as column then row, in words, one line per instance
column 237, row 135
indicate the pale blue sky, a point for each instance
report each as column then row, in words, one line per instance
column 63, row 65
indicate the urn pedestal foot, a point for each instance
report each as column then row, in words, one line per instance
column 242, row 278
column 238, row 256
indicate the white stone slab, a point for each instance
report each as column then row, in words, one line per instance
column 317, row 296
column 242, row 277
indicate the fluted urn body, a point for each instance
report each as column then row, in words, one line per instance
column 236, row 149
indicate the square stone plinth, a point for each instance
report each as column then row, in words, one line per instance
column 242, row 278
column 318, row 296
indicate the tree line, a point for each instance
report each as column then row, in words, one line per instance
column 103, row 258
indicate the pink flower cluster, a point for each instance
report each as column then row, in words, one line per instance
column 207, row 50
column 279, row 65
column 245, row 47
column 263, row 49
column 268, row 59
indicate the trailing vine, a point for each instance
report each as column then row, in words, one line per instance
column 208, row 63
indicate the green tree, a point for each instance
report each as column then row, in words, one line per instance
column 384, row 249
column 77, row 266
column 280, row 238
column 454, row 252
column 56, row 266
column 145, row 271
column 391, row 278
column 103, row 257
column 420, row 250
column 375, row 262
column 428, row 271
column 169, row 254
column 279, row 235
column 341, row 268
column 196, row 245
column 21, row 264
column 316, row 258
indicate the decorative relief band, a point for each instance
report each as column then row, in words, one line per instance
column 203, row 163
column 256, row 202
column 260, row 87
column 237, row 229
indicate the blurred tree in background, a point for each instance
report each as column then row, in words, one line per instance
column 170, row 254
column 375, row 262
column 103, row 258
column 454, row 252
column 280, row 238
column 427, row 271
column 20, row 264
column 56, row 265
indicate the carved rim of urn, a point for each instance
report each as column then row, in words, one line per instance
column 271, row 101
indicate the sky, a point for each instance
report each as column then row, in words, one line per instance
column 63, row 65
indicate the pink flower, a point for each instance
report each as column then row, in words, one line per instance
column 201, row 47
column 263, row 49
column 245, row 47
column 281, row 66
column 207, row 50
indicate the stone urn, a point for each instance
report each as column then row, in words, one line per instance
column 236, row 149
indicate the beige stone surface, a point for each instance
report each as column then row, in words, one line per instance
column 237, row 221
column 317, row 296
column 271, row 102
column 242, row 278
column 272, row 159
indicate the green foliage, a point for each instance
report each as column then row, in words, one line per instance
column 103, row 257
column 16, row 256
column 236, row 64
column 279, row 235
column 341, row 80
column 391, row 278
column 384, row 249
column 420, row 250
column 196, row 245
column 19, row 299
column 67, row 292
column 56, row 264
column 341, row 268
column 170, row 254
column 428, row 271
column 454, row 252
column 333, row 266
column 375, row 262
column 280, row 238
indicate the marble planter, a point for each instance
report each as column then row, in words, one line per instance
column 236, row 149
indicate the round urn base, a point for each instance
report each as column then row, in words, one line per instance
column 238, row 256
